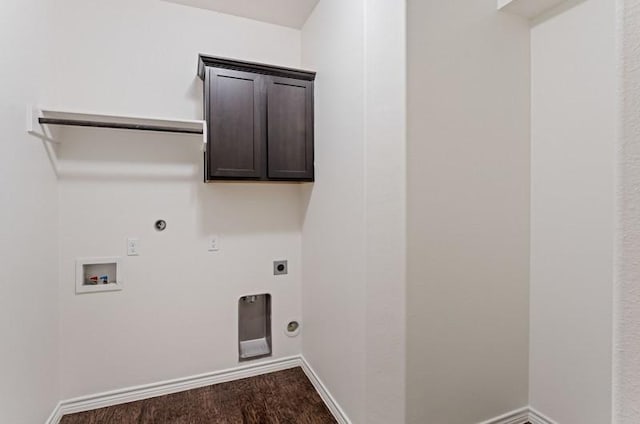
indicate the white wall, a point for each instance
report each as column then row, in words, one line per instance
column 333, row 237
column 572, row 203
column 385, row 195
column 354, row 227
column 28, row 212
column 627, row 296
column 177, row 314
column 468, row 211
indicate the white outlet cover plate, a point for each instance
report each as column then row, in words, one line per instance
column 214, row 243
column 133, row 247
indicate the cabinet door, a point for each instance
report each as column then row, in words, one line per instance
column 236, row 113
column 290, row 129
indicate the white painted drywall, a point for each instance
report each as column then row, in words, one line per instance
column 353, row 240
column 333, row 237
column 385, row 200
column 177, row 314
column 28, row 213
column 627, row 296
column 572, row 219
column 468, row 211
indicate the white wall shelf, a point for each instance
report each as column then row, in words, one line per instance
column 528, row 8
column 38, row 118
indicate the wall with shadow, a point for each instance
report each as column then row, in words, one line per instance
column 177, row 314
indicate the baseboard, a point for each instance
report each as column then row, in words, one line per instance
column 132, row 394
column 56, row 415
column 324, row 393
column 536, row 417
column 519, row 416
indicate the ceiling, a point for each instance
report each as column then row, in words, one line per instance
column 528, row 8
column 291, row 13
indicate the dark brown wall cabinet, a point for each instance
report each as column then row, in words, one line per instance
column 260, row 121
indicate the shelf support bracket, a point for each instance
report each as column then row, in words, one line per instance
column 34, row 127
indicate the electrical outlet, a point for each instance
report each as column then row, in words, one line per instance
column 214, row 243
column 133, row 247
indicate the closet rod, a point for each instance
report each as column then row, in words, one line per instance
column 115, row 125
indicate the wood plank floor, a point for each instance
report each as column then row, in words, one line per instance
column 284, row 397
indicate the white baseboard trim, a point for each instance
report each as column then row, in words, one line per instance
column 132, row 394
column 55, row 416
column 324, row 393
column 519, row 416
column 536, row 417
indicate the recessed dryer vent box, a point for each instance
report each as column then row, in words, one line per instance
column 98, row 274
column 254, row 327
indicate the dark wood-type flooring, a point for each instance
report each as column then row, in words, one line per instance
column 283, row 397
